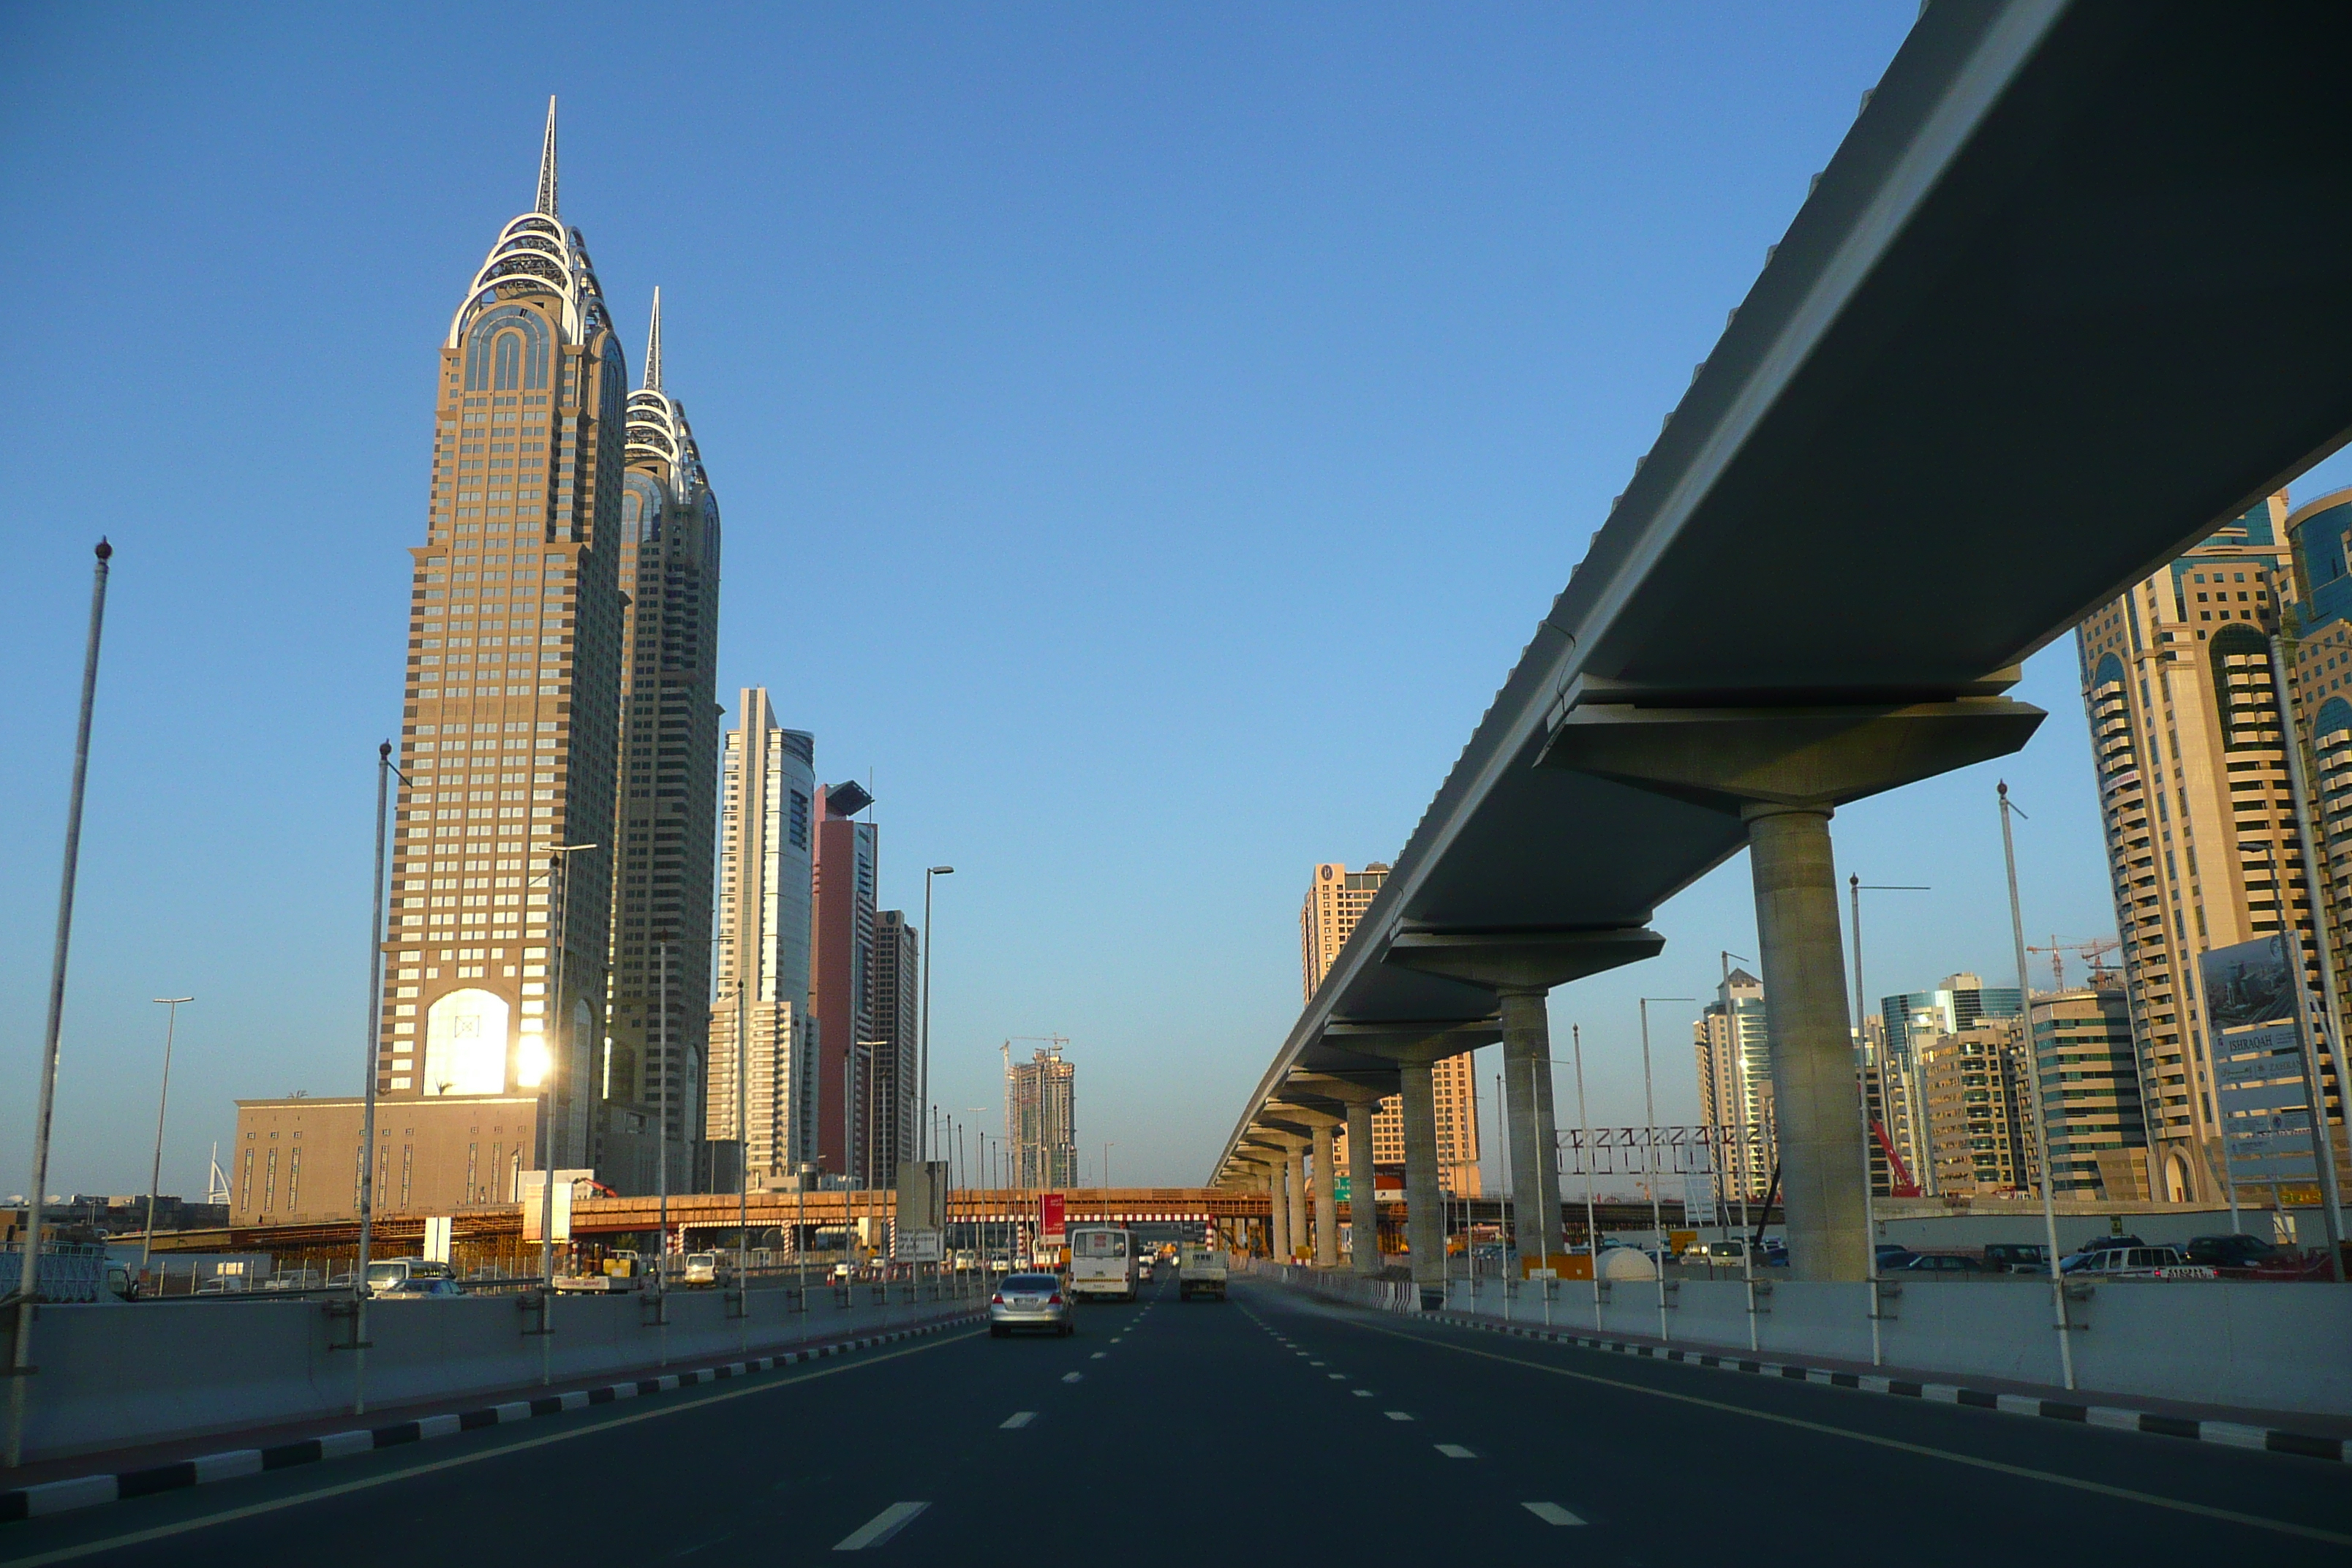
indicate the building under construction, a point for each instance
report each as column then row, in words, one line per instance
column 1041, row 1118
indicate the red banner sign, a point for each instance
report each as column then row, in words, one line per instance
column 1052, row 1218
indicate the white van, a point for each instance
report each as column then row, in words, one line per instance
column 1102, row 1262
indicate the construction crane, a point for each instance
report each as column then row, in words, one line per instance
column 1899, row 1184
column 2091, row 952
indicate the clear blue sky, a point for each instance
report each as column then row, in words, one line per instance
column 1146, row 437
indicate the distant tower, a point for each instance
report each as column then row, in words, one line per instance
column 899, row 1093
column 1041, row 1116
column 841, row 981
column 667, row 779
column 766, row 844
column 512, row 692
column 1336, row 900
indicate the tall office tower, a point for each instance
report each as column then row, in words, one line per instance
column 766, row 841
column 2090, row 1093
column 2193, row 790
column 841, row 981
column 1041, row 1118
column 1734, row 1066
column 898, row 1087
column 1980, row 1116
column 513, row 694
column 1910, row 1022
column 667, row 782
column 1336, row 900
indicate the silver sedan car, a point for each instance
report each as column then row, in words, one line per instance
column 1030, row 1301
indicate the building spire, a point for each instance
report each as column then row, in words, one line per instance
column 547, row 165
column 653, row 346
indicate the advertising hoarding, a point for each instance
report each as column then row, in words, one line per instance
column 2256, row 1047
column 1053, row 1219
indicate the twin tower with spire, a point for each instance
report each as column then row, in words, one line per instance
column 560, row 742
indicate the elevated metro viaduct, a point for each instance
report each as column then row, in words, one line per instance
column 2075, row 288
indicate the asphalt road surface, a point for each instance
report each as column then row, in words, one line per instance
column 1264, row 1429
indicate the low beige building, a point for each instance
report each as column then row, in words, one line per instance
column 297, row 1161
column 1980, row 1110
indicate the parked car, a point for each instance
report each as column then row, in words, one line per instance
column 411, row 1280
column 2102, row 1244
column 1944, row 1263
column 2018, row 1256
column 2237, row 1251
column 1036, row 1301
column 2136, row 1263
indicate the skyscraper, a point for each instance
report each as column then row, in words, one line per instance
column 2193, row 790
column 841, row 980
column 1910, row 1023
column 765, row 922
column 1041, row 1118
column 1336, row 900
column 1980, row 1110
column 669, row 735
column 899, row 1093
column 2090, row 1093
column 1735, row 1082
column 512, row 694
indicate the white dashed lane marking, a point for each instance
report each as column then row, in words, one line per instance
column 1456, row 1451
column 1551, row 1513
column 1019, row 1418
column 881, row 1527
column 1399, row 1415
column 1072, row 1376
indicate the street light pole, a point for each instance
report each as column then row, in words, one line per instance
column 2034, row 1070
column 28, row 1279
column 1855, row 888
column 1650, row 1110
column 559, row 900
column 661, row 1145
column 156, row 1175
column 923, row 1067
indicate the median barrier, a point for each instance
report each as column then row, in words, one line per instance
column 2256, row 1345
column 113, row 1377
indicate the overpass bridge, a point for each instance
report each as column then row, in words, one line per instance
column 2075, row 286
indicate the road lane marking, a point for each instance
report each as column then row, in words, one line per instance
column 1314, row 1363
column 1099, row 1355
column 1361, row 1393
column 1551, row 1513
column 1399, row 1415
column 881, row 1527
column 1336, row 1376
column 1456, row 1451
column 295, row 1500
column 1072, row 1376
column 2025, row 1472
column 1018, row 1419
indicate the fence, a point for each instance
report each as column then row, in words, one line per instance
column 1331, row 1285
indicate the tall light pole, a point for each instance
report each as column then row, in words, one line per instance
column 1650, row 1110
column 386, row 771
column 923, row 1069
column 1855, row 888
column 544, row 1079
column 156, row 1175
column 2034, row 1070
column 661, row 1136
column 28, row 1279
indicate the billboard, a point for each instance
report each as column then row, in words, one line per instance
column 2256, row 1044
column 2247, row 985
column 1053, row 1219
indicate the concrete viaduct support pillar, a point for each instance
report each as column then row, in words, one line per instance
column 1294, row 1166
column 1278, row 1211
column 1327, row 1200
column 1424, row 1215
column 1363, row 1201
column 1527, row 1099
column 1801, row 950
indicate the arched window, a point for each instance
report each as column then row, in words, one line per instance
column 507, row 352
column 466, row 1044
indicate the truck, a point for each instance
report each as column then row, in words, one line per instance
column 1201, row 1271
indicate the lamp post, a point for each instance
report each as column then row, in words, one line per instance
column 923, row 1067
column 1856, row 886
column 542, row 1073
column 384, row 773
column 156, row 1175
column 661, row 1140
column 2034, row 1069
column 1650, row 1110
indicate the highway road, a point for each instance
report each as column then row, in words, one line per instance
column 1268, row 1428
